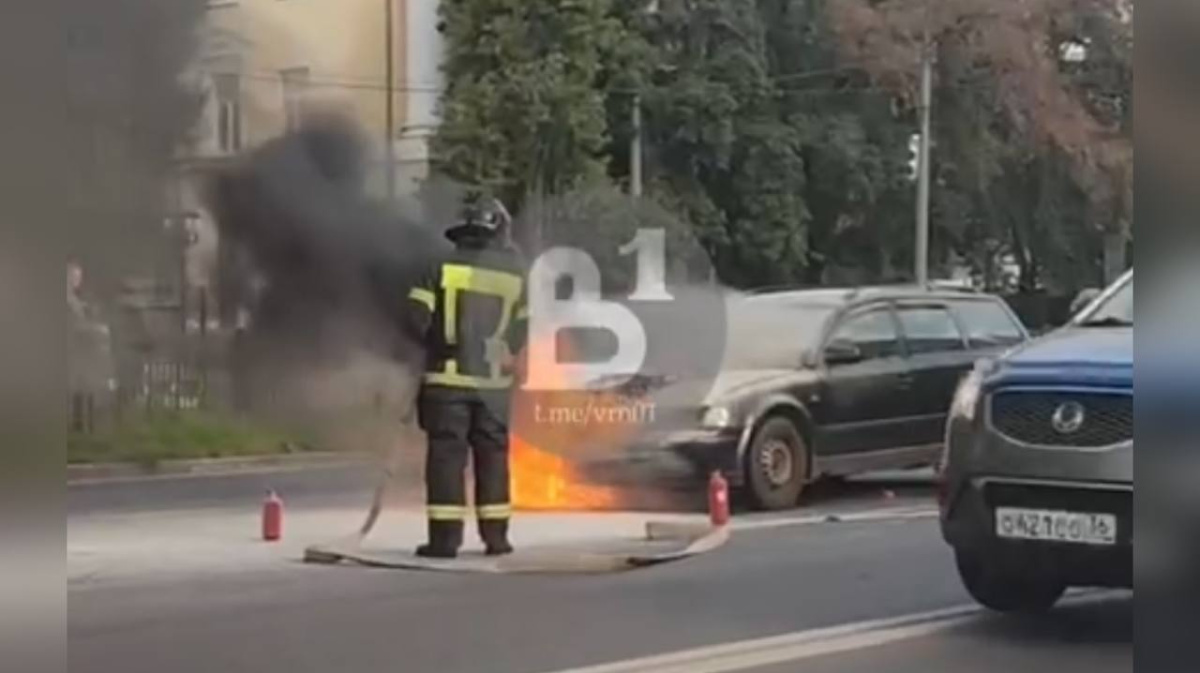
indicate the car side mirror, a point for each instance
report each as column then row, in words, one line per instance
column 1086, row 296
column 841, row 352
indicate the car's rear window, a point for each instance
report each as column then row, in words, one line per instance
column 988, row 323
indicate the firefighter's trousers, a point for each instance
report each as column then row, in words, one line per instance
column 459, row 424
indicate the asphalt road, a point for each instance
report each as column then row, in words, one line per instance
column 768, row 581
column 1093, row 637
column 352, row 484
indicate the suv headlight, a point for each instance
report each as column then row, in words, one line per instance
column 716, row 418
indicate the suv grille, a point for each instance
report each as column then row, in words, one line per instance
column 1070, row 419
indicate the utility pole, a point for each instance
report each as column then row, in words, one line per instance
column 921, row 253
column 651, row 8
column 635, row 149
column 389, row 49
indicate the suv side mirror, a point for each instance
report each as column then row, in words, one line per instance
column 1086, row 296
column 842, row 352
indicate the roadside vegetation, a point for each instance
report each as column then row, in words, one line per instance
column 180, row 435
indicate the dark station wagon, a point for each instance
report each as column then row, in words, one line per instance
column 830, row 382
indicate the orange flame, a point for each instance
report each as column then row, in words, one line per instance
column 544, row 481
column 551, row 431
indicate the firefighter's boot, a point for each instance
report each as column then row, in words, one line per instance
column 495, row 537
column 445, row 537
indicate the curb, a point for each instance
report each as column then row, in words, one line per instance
column 94, row 473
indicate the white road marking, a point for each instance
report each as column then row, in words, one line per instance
column 759, row 652
column 891, row 514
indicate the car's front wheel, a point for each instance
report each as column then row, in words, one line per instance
column 776, row 465
column 1006, row 589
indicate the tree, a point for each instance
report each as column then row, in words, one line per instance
column 600, row 220
column 854, row 145
column 1034, row 147
column 779, row 129
column 523, row 111
column 723, row 152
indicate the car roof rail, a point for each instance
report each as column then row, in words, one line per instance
column 950, row 286
column 856, row 291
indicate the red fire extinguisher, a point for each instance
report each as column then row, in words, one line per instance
column 272, row 517
column 718, row 499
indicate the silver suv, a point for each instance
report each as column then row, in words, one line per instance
column 1036, row 490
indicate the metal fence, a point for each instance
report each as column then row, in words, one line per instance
column 172, row 385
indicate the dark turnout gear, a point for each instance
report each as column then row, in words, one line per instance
column 458, row 426
column 469, row 314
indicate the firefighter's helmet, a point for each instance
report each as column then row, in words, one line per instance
column 481, row 217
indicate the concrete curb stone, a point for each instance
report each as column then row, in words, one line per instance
column 101, row 472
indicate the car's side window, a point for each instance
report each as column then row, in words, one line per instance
column 988, row 324
column 873, row 332
column 930, row 329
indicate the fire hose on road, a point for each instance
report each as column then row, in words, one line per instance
column 663, row 542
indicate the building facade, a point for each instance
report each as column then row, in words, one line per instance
column 262, row 61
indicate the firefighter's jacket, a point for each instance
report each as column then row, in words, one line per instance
column 469, row 312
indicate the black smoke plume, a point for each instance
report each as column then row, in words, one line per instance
column 326, row 266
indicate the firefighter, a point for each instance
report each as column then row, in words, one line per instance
column 470, row 318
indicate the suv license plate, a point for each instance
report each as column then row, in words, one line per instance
column 1056, row 526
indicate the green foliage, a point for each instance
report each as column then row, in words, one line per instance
column 854, row 145
column 723, row 150
column 178, row 435
column 1033, row 197
column 1033, row 151
column 778, row 131
column 523, row 109
column 600, row 220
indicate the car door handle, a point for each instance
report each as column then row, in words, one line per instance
column 905, row 381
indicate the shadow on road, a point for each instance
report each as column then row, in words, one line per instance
column 880, row 487
column 1106, row 622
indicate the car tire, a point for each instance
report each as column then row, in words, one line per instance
column 1006, row 590
column 776, row 465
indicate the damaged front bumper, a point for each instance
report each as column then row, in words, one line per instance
column 685, row 457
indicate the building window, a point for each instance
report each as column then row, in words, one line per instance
column 228, row 88
column 295, row 87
